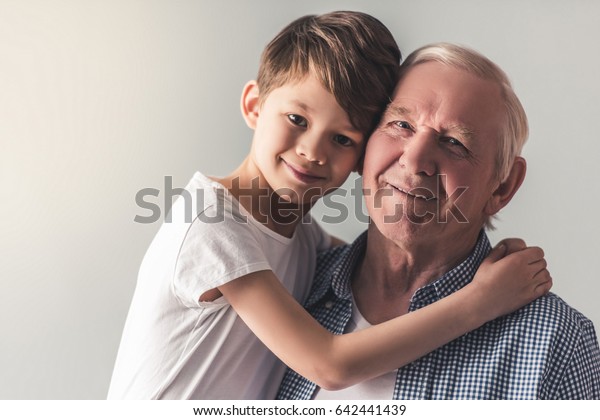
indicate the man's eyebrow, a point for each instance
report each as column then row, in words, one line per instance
column 465, row 132
column 398, row 111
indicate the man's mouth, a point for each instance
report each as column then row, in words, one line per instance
column 421, row 193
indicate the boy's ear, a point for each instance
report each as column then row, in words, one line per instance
column 507, row 188
column 250, row 103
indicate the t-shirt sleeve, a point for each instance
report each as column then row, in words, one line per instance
column 214, row 253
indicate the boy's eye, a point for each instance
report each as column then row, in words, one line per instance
column 297, row 120
column 342, row 140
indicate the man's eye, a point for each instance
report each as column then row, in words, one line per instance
column 297, row 120
column 403, row 124
column 455, row 147
column 452, row 141
column 342, row 140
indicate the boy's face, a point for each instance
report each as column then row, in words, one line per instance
column 304, row 145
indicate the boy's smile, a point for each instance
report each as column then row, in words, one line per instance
column 303, row 175
column 304, row 145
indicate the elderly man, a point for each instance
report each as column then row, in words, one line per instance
column 443, row 161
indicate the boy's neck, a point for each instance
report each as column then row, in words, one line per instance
column 250, row 188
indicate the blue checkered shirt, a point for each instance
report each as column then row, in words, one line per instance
column 546, row 350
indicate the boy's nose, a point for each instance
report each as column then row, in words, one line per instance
column 418, row 154
column 312, row 149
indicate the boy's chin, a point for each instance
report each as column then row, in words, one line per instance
column 292, row 200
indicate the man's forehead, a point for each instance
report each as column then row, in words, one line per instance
column 411, row 104
column 449, row 95
column 426, row 78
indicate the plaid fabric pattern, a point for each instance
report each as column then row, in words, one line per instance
column 546, row 350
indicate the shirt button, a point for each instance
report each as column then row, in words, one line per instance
column 328, row 305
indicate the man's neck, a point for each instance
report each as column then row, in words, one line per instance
column 390, row 273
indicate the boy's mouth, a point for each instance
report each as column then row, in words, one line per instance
column 303, row 175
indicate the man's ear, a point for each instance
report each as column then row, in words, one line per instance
column 250, row 103
column 507, row 188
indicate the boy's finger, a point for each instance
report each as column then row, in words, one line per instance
column 545, row 284
column 528, row 255
column 497, row 253
column 513, row 245
column 537, row 266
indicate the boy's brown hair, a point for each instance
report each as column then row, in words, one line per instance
column 353, row 55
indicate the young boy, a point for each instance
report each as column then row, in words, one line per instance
column 218, row 291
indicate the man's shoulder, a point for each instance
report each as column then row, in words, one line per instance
column 330, row 258
column 339, row 260
column 557, row 336
column 328, row 261
column 555, row 306
column 551, row 312
column 332, row 267
column 548, row 332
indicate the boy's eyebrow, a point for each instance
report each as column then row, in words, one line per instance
column 300, row 104
column 349, row 128
column 352, row 129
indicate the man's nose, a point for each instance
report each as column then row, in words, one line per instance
column 418, row 154
column 312, row 148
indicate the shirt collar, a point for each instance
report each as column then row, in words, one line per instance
column 348, row 260
column 448, row 283
column 335, row 268
column 459, row 276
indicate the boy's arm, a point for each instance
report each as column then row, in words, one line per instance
column 337, row 361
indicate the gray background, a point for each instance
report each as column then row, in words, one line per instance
column 99, row 99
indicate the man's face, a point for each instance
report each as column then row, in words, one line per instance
column 429, row 166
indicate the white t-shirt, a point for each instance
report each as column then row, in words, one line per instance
column 175, row 347
column 380, row 388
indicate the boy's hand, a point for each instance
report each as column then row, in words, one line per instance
column 512, row 276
